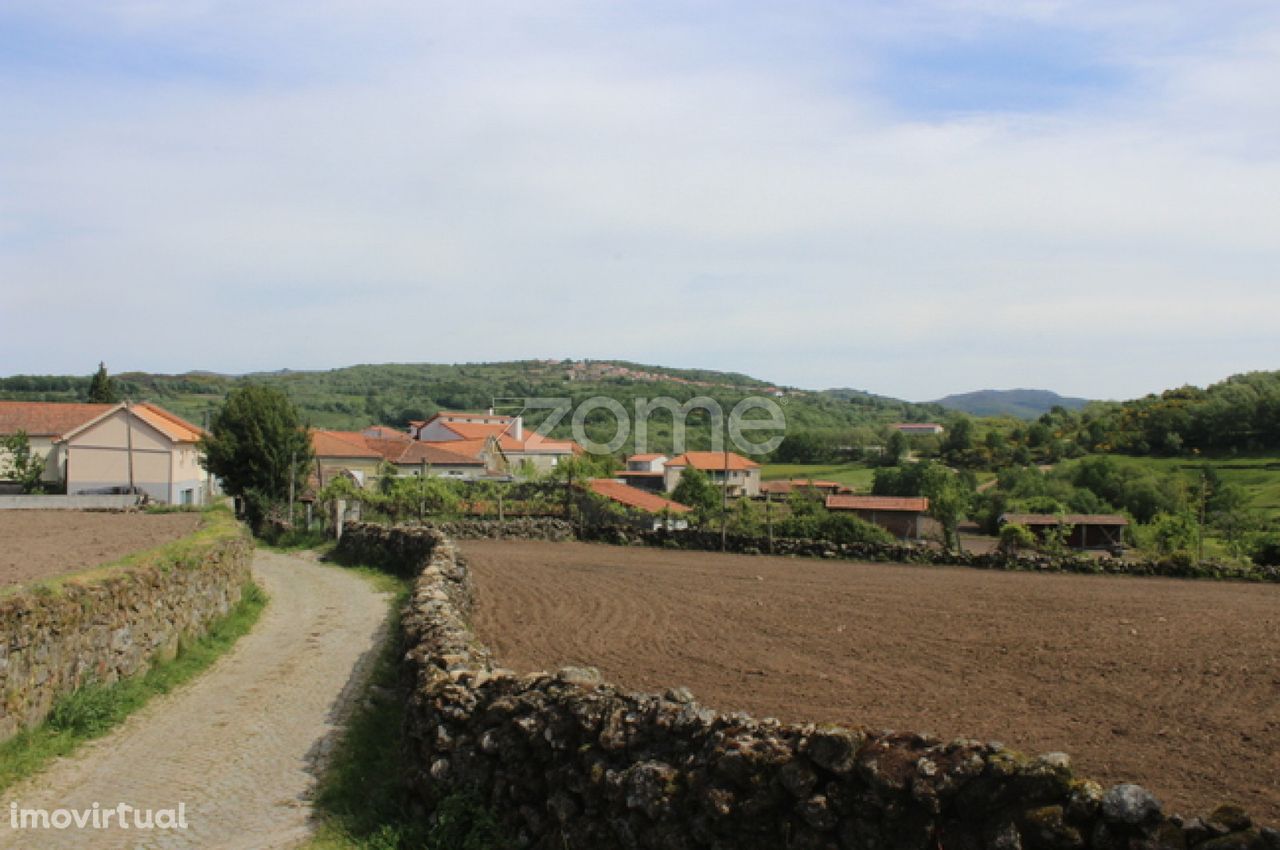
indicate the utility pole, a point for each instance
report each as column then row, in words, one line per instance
column 724, row 487
column 293, row 476
column 128, row 432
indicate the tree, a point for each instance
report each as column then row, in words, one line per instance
column 102, row 387
column 18, row 463
column 696, row 491
column 256, row 445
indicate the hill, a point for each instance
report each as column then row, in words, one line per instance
column 1024, row 404
column 395, row 393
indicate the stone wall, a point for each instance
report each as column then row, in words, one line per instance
column 901, row 553
column 567, row 761
column 907, row 553
column 55, row 639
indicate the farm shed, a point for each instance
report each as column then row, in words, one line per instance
column 1088, row 531
column 903, row 517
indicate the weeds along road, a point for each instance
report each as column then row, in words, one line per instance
column 239, row 746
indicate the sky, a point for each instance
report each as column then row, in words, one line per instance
column 914, row 198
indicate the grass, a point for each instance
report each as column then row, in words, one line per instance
column 855, row 475
column 94, row 710
column 363, row 802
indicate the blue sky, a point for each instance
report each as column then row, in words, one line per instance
column 911, row 197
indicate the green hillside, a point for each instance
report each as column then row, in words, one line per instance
column 395, row 393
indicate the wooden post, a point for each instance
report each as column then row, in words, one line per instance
column 768, row 518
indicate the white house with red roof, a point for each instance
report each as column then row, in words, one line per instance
column 104, row 448
column 499, row 440
column 740, row 476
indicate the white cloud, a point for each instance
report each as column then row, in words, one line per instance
column 332, row 185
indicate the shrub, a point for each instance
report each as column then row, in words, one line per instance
column 1014, row 537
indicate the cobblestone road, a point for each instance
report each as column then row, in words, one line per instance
column 239, row 745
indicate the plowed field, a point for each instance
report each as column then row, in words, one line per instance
column 41, row 544
column 1171, row 684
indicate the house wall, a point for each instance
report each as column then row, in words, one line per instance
column 905, row 525
column 98, row 459
column 366, row 467
column 54, row 459
column 741, row 482
column 460, row 472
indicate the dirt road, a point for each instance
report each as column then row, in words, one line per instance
column 1171, row 684
column 239, row 745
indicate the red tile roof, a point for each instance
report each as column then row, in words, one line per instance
column 414, row 452
column 341, row 444
column 712, row 461
column 633, row 497
column 1065, row 519
column 841, row 502
column 476, row 430
column 47, row 418
column 171, row 425
column 644, row 458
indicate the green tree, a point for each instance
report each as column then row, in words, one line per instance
column 102, row 387
column 255, row 444
column 949, row 495
column 20, row 464
column 696, row 491
column 1014, row 537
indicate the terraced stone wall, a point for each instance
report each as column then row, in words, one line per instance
column 567, row 761
column 55, row 639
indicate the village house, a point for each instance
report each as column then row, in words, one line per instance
column 904, row 517
column 110, row 448
column 740, row 478
column 644, row 472
column 500, row 440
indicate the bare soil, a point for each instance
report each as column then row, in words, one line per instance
column 42, row 544
column 1171, row 684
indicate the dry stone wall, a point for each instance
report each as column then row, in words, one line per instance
column 54, row 641
column 567, row 761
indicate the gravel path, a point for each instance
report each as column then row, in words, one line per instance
column 240, row 744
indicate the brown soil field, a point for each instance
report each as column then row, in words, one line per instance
column 42, row 544
column 1171, row 684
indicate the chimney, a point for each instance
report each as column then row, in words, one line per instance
column 519, row 430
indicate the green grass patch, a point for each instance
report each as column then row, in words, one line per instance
column 94, row 710
column 363, row 802
column 855, row 475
